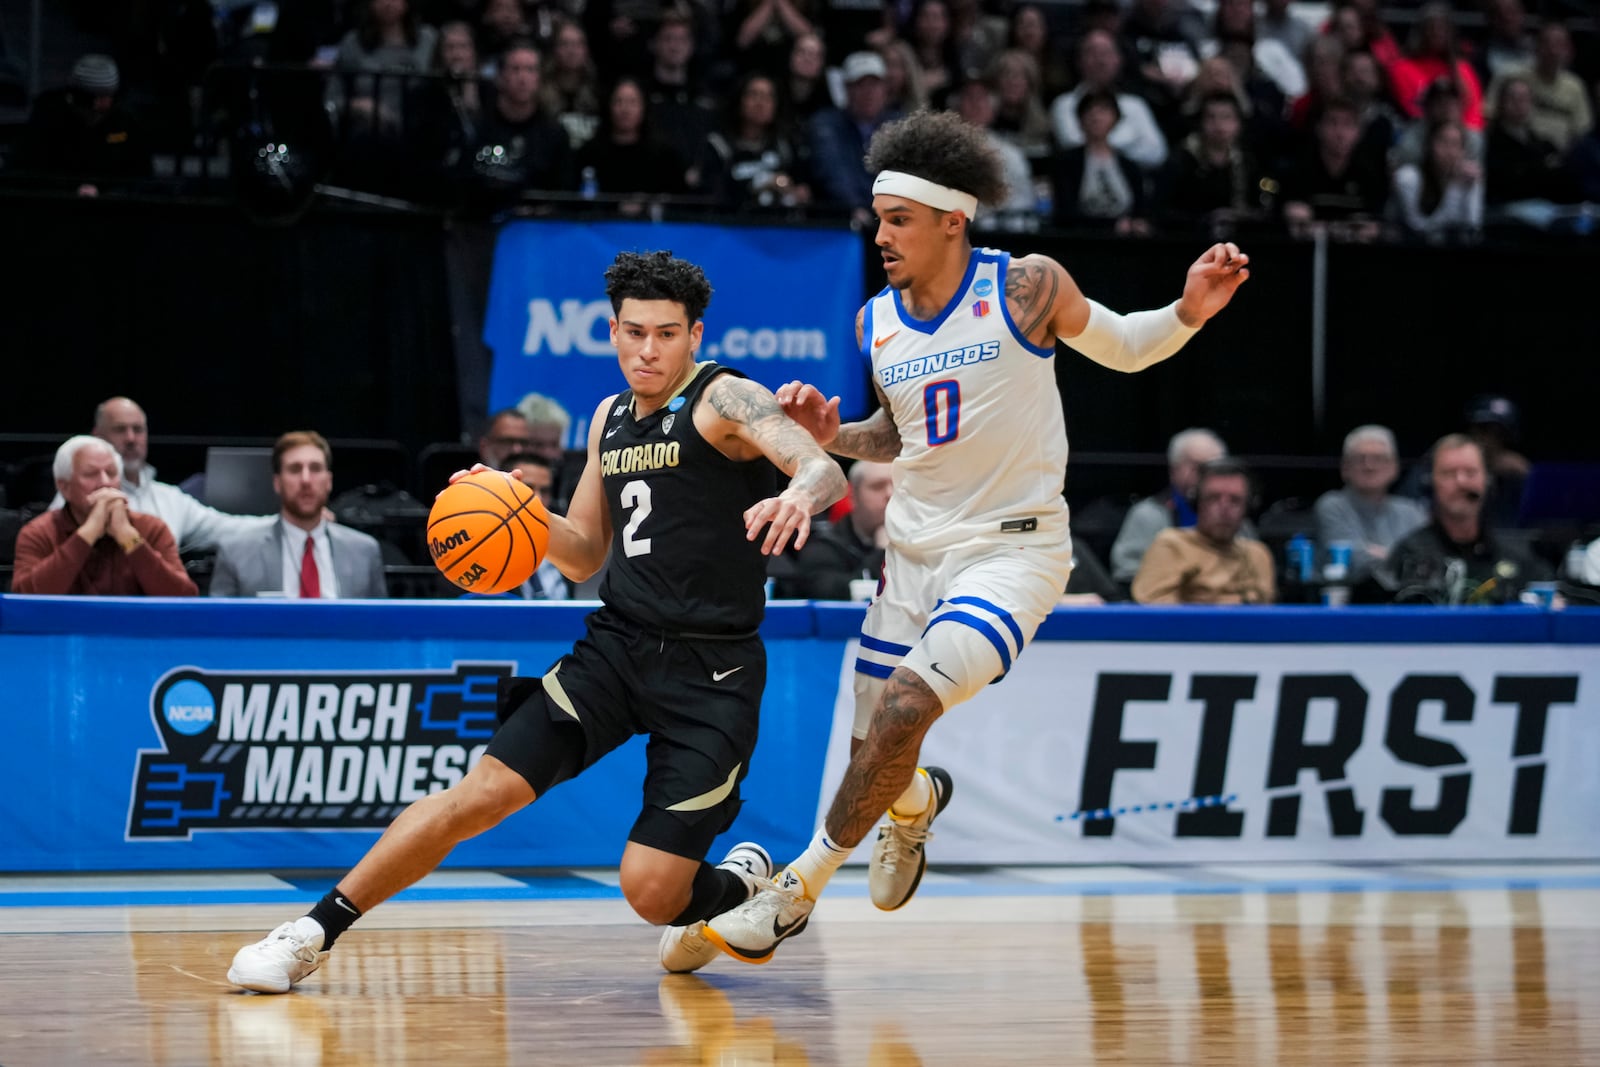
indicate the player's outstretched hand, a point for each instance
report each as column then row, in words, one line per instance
column 818, row 415
column 783, row 516
column 1211, row 283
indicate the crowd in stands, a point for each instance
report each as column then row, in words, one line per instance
column 1135, row 116
column 114, row 530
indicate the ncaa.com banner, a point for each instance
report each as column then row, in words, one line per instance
column 1179, row 753
column 783, row 307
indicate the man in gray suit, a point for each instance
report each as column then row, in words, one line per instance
column 301, row 555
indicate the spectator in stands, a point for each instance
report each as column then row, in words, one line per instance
column 1443, row 196
column 501, row 24
column 1441, row 104
column 1520, row 164
column 1235, row 24
column 848, row 548
column 1332, row 183
column 1210, row 562
column 82, row 131
column 1136, row 134
column 767, row 30
column 1094, row 183
column 548, row 422
column 976, row 102
column 520, row 146
column 571, row 90
column 387, row 37
column 96, row 544
column 902, row 77
column 1212, row 178
column 839, row 136
column 1364, row 88
column 1583, row 162
column 1561, row 111
column 1363, row 514
column 751, row 164
column 682, row 112
column 1278, row 22
column 803, row 90
column 1325, row 81
column 626, row 156
column 194, row 526
column 457, row 58
column 1020, row 114
column 1457, row 558
column 1030, row 35
column 536, row 473
column 507, row 433
column 1492, row 422
column 302, row 555
column 1164, row 38
column 1507, row 46
column 932, row 40
column 1434, row 54
column 1187, row 450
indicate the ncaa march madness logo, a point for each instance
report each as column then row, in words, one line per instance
column 326, row 750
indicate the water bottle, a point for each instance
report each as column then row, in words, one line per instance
column 1302, row 559
column 589, row 184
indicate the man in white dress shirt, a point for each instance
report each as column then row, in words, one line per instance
column 195, row 526
column 302, row 555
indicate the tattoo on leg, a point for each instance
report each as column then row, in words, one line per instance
column 881, row 769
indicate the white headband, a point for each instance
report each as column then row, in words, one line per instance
column 940, row 197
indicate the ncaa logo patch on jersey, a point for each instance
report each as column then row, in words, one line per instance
column 983, row 287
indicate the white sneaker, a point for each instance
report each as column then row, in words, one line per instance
column 752, row 931
column 898, row 859
column 282, row 958
column 686, row 948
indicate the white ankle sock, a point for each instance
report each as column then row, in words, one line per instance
column 306, row 926
column 817, row 863
column 915, row 800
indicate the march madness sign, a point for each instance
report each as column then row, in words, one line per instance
column 330, row 750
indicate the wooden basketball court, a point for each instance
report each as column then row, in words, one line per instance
column 1025, row 966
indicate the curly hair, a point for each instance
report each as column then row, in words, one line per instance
column 658, row 276
column 941, row 147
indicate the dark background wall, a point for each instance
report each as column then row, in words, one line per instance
column 343, row 322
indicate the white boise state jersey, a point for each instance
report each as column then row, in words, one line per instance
column 983, row 442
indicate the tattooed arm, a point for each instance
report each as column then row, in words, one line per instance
column 744, row 421
column 876, row 437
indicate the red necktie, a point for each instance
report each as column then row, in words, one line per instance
column 310, row 582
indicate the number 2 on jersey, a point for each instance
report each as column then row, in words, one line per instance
column 636, row 495
column 943, row 420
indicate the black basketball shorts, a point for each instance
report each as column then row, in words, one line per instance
column 697, row 698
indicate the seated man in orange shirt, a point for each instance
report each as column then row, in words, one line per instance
column 96, row 546
column 1209, row 563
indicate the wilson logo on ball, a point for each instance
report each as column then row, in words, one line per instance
column 455, row 540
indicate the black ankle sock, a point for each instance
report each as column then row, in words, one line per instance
column 334, row 913
column 714, row 892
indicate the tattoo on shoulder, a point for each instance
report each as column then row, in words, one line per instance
column 1031, row 288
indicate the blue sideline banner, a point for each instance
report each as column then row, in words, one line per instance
column 783, row 307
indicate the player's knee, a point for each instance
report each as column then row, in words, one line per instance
column 489, row 794
column 655, row 896
column 907, row 708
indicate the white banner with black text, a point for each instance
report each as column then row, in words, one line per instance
column 1183, row 753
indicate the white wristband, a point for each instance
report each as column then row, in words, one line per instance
column 1131, row 342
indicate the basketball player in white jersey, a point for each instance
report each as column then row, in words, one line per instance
column 961, row 344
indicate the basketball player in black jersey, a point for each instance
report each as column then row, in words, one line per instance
column 680, row 489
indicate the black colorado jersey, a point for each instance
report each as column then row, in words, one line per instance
column 679, row 558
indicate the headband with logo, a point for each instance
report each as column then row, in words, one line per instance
column 939, row 197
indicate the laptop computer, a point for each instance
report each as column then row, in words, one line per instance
column 239, row 480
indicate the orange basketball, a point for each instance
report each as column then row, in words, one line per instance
column 488, row 532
